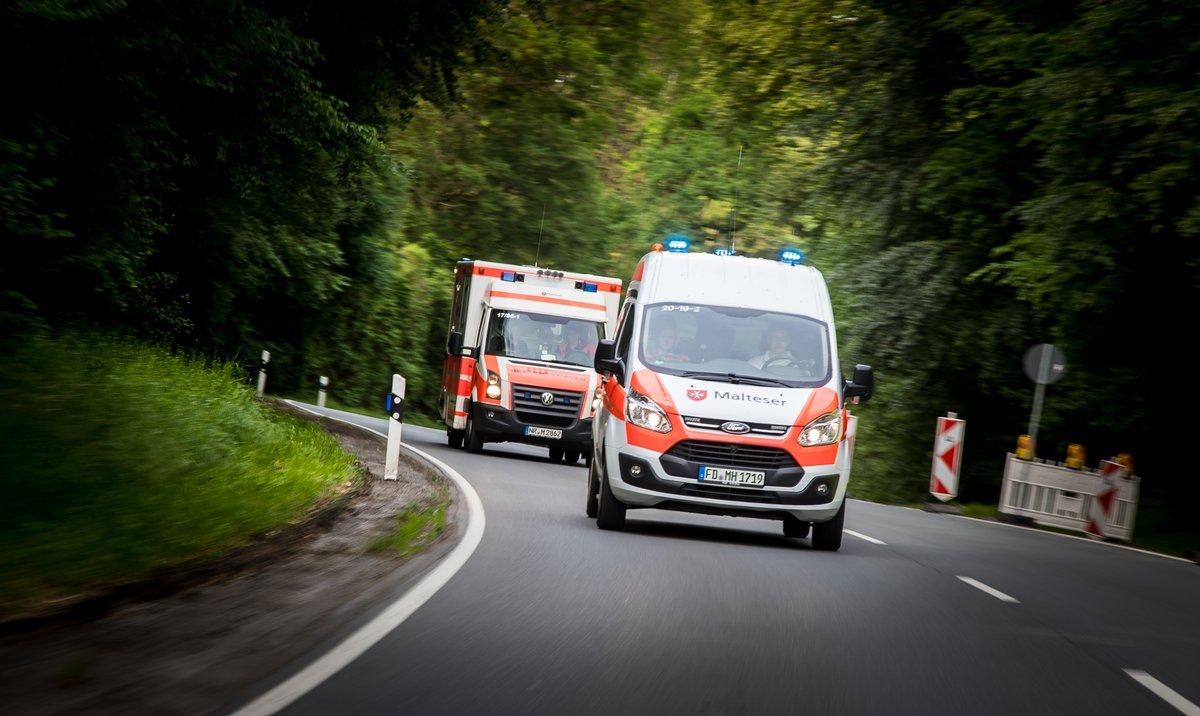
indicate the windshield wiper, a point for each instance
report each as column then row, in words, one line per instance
column 736, row 378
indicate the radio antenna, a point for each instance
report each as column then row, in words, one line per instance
column 538, row 256
column 733, row 213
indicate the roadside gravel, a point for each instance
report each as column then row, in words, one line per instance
column 202, row 640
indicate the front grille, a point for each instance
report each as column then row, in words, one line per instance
column 745, row 457
column 773, row 430
column 529, row 409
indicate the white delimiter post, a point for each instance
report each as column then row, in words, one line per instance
column 324, row 383
column 396, row 422
column 262, row 372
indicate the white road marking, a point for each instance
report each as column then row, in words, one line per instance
column 354, row 645
column 861, row 536
column 1164, row 692
column 985, row 588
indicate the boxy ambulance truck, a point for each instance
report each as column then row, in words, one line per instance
column 520, row 353
column 722, row 394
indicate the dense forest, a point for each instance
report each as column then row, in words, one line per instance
column 229, row 176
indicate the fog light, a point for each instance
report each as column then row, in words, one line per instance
column 635, row 470
column 491, row 414
column 823, row 489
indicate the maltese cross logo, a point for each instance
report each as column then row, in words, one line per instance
column 695, row 394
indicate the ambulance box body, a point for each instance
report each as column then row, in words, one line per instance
column 722, row 394
column 519, row 356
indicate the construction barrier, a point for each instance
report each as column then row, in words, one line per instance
column 1054, row 495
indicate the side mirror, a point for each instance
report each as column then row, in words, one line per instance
column 861, row 386
column 455, row 344
column 605, row 360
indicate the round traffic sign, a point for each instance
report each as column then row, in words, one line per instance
column 1045, row 363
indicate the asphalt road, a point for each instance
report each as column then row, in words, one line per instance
column 687, row 614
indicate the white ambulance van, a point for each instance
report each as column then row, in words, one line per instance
column 722, row 394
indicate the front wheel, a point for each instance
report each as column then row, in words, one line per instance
column 571, row 457
column 473, row 439
column 610, row 512
column 827, row 536
column 793, row 527
column 556, row 454
column 454, row 438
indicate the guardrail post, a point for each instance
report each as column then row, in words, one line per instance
column 323, row 383
column 262, row 372
column 395, row 409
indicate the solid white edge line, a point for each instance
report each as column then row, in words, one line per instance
column 985, row 588
column 1164, row 692
column 861, row 536
column 354, row 645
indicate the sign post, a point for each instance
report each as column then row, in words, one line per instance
column 947, row 457
column 323, row 385
column 1044, row 364
column 395, row 409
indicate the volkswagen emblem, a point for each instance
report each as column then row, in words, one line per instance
column 735, row 428
column 547, row 398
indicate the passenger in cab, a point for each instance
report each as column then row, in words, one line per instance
column 578, row 338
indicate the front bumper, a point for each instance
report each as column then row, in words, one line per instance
column 642, row 478
column 496, row 424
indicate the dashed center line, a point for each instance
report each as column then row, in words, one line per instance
column 864, row 537
column 986, row 589
column 1164, row 692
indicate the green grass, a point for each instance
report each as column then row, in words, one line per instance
column 417, row 526
column 119, row 459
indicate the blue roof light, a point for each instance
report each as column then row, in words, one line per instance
column 508, row 275
column 723, row 252
column 677, row 243
column 589, row 287
column 792, row 257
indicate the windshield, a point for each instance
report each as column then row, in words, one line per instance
column 518, row 334
column 735, row 345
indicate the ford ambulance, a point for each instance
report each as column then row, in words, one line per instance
column 520, row 354
column 722, row 394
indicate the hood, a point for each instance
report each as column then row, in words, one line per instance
column 563, row 376
column 728, row 401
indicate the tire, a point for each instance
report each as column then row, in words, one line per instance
column 473, row 439
column 571, row 457
column 610, row 512
column 793, row 527
column 454, row 438
column 593, row 489
column 556, row 454
column 827, row 536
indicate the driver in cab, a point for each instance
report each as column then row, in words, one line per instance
column 777, row 350
column 577, row 340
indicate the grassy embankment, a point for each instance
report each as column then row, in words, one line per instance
column 120, row 459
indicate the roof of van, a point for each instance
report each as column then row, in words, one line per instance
column 732, row 280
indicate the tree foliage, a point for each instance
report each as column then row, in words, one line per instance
column 973, row 179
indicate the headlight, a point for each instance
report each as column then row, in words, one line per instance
column 822, row 431
column 493, row 386
column 645, row 413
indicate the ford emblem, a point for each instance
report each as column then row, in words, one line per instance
column 735, row 428
column 547, row 398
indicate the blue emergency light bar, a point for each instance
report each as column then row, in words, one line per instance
column 589, row 287
column 508, row 275
column 723, row 252
column 678, row 244
column 792, row 257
